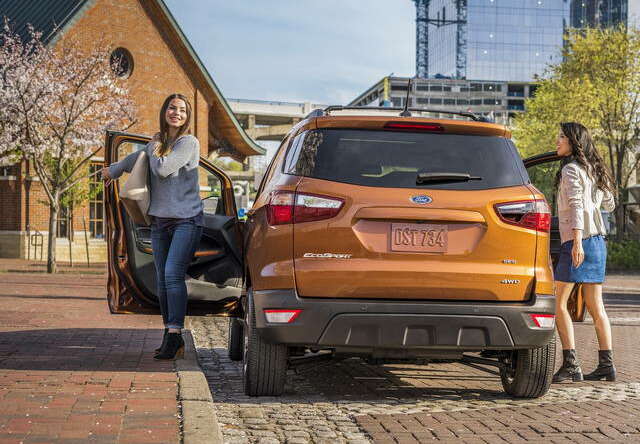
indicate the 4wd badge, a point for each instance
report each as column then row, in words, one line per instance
column 421, row 199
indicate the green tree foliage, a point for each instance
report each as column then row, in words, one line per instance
column 598, row 85
column 227, row 164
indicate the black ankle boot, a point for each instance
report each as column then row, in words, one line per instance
column 164, row 340
column 173, row 348
column 570, row 368
column 605, row 370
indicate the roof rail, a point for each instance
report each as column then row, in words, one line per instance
column 331, row 108
column 318, row 112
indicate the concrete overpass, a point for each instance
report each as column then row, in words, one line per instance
column 269, row 120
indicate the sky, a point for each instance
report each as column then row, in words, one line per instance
column 324, row 52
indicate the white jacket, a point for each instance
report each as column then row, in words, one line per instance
column 579, row 203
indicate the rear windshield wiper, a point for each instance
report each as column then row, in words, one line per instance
column 444, row 177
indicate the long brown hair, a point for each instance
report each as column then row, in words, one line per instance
column 166, row 143
column 585, row 154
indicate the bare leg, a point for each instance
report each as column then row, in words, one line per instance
column 563, row 318
column 593, row 298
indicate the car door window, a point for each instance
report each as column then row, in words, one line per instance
column 141, row 233
column 124, row 149
column 271, row 168
column 211, row 192
column 543, row 177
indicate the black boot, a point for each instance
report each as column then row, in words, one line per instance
column 173, row 348
column 605, row 370
column 164, row 340
column 570, row 368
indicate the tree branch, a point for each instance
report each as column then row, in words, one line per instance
column 43, row 178
column 75, row 169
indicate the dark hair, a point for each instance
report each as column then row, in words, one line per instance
column 165, row 141
column 585, row 154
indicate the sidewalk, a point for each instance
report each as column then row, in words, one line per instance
column 622, row 283
column 72, row 372
column 24, row 266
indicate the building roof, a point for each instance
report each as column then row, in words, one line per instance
column 53, row 17
column 46, row 16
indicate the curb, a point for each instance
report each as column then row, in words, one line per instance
column 199, row 419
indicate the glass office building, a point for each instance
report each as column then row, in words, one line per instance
column 598, row 13
column 496, row 40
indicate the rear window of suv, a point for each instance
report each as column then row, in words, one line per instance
column 395, row 159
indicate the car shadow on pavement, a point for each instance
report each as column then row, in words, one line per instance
column 82, row 349
column 353, row 381
column 408, row 381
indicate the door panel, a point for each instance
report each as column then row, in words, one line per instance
column 214, row 277
column 542, row 170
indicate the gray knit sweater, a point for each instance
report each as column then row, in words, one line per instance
column 173, row 178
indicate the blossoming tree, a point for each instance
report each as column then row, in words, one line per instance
column 55, row 104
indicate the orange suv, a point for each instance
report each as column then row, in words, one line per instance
column 371, row 235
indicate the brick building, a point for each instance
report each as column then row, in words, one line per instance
column 157, row 60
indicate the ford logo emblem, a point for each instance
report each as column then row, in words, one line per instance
column 422, row 199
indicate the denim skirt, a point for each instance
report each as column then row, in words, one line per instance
column 591, row 270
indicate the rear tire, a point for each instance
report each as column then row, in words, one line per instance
column 265, row 364
column 528, row 372
column 235, row 340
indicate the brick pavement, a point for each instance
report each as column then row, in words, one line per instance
column 352, row 401
column 72, row 372
column 587, row 411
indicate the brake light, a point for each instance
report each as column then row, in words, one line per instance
column 281, row 316
column 414, row 126
column 286, row 207
column 544, row 320
column 532, row 214
column 280, row 208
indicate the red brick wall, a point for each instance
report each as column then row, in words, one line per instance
column 9, row 205
column 157, row 73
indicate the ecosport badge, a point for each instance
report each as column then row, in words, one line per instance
column 328, row 255
column 421, row 199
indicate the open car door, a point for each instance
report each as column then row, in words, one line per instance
column 542, row 171
column 214, row 278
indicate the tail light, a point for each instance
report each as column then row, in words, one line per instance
column 532, row 214
column 280, row 208
column 281, row 316
column 544, row 320
column 286, row 207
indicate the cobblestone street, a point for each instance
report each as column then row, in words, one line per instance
column 351, row 401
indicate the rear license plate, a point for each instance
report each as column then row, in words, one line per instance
column 419, row 238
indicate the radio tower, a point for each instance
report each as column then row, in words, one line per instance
column 422, row 36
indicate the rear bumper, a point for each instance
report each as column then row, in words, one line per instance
column 366, row 325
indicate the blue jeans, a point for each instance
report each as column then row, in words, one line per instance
column 173, row 249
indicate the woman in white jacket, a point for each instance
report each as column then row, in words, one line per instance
column 584, row 186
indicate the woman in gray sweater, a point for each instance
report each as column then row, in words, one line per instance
column 175, row 210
